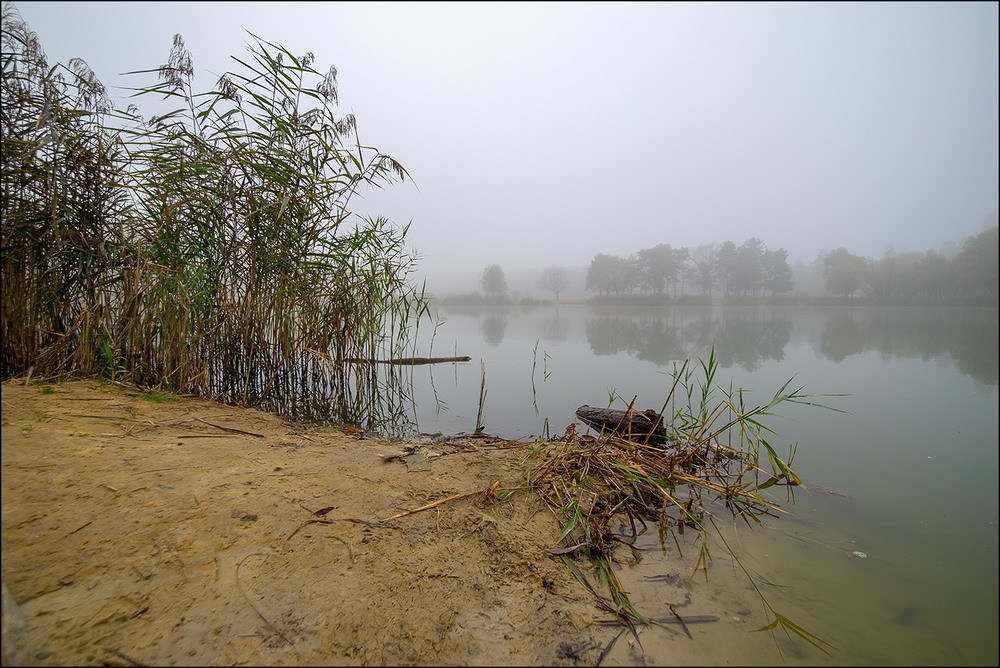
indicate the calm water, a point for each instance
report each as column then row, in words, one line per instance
column 917, row 452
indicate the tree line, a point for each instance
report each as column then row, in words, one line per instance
column 970, row 276
column 750, row 269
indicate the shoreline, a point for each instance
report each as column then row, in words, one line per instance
column 192, row 532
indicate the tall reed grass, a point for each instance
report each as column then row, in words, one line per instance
column 210, row 249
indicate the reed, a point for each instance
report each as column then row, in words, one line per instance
column 715, row 459
column 209, row 249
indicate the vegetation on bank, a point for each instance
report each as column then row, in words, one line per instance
column 209, row 249
column 712, row 457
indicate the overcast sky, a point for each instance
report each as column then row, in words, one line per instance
column 542, row 134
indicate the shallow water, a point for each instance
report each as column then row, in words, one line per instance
column 908, row 477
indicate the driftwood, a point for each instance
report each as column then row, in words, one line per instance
column 636, row 425
column 609, row 421
column 411, row 360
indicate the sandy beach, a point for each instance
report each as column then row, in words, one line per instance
column 145, row 530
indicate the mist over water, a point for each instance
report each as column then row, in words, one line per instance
column 545, row 133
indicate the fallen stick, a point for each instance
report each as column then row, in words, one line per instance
column 123, row 655
column 411, row 360
column 235, row 431
column 438, row 503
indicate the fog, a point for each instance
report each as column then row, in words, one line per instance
column 540, row 134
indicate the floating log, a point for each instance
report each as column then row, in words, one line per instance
column 640, row 423
column 411, row 360
column 635, row 424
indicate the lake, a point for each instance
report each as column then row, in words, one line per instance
column 890, row 553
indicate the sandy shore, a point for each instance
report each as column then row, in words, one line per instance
column 186, row 532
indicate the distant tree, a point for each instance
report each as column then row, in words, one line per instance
column 629, row 276
column 808, row 276
column 657, row 267
column 976, row 264
column 555, row 279
column 747, row 273
column 599, row 274
column 881, row 276
column 701, row 267
column 681, row 256
column 777, row 274
column 493, row 281
column 906, row 285
column 725, row 266
column 935, row 276
column 610, row 273
column 844, row 272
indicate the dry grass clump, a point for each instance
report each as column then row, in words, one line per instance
column 609, row 489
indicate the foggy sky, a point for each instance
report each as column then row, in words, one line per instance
column 542, row 134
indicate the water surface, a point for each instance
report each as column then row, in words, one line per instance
column 908, row 477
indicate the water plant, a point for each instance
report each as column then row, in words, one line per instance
column 207, row 249
column 710, row 454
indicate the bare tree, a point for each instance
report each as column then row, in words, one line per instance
column 554, row 279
